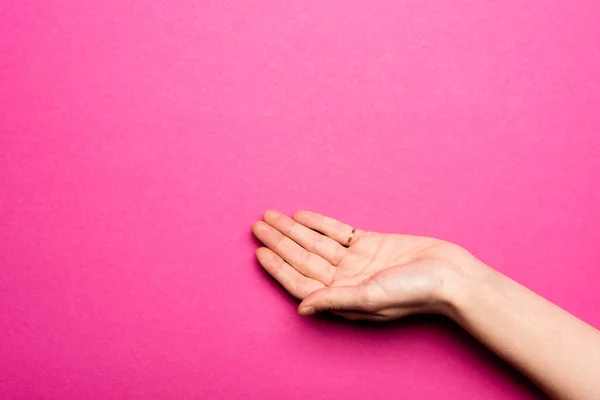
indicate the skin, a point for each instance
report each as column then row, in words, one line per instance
column 382, row 277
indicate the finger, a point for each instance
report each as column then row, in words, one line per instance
column 312, row 241
column 293, row 281
column 335, row 229
column 308, row 264
column 337, row 298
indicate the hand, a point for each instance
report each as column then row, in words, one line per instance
column 374, row 277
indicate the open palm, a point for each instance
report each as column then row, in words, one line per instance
column 360, row 275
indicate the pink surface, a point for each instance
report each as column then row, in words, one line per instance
column 139, row 140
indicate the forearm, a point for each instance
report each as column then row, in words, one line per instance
column 557, row 351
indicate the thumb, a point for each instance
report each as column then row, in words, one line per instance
column 336, row 298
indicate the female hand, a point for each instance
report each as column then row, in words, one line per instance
column 375, row 276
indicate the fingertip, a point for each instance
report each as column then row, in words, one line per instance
column 308, row 306
column 298, row 215
column 257, row 226
column 260, row 252
column 306, row 311
column 265, row 254
column 269, row 214
column 273, row 214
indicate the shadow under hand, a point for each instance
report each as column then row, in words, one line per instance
column 436, row 330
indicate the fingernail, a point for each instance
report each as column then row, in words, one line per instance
column 310, row 310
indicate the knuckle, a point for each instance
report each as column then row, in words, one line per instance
column 290, row 228
column 279, row 243
column 315, row 243
column 331, row 305
column 305, row 263
column 296, row 288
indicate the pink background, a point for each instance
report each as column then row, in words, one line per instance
column 139, row 140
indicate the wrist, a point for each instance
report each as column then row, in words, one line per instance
column 462, row 286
